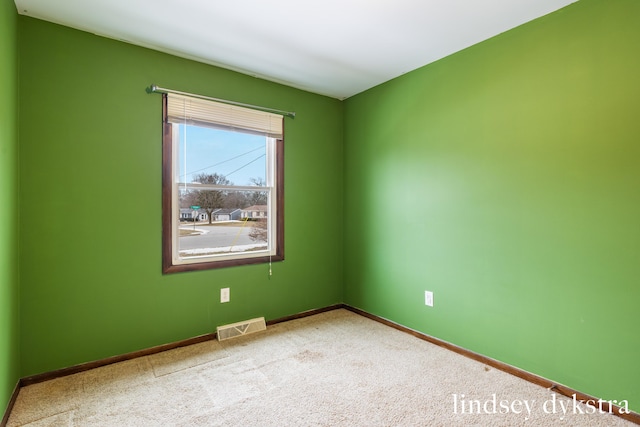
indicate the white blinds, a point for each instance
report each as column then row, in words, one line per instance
column 201, row 112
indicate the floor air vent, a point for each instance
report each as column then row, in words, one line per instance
column 241, row 328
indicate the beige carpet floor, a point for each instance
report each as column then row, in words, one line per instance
column 332, row 369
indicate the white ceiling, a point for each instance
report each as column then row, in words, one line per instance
column 336, row 48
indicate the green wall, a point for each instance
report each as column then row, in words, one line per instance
column 90, row 171
column 9, row 302
column 505, row 179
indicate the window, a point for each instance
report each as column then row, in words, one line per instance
column 223, row 192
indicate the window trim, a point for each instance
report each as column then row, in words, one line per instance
column 167, row 208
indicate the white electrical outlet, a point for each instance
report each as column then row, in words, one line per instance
column 428, row 298
column 224, row 295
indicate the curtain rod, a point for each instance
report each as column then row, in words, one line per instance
column 156, row 89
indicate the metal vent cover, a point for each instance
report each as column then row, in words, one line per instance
column 238, row 329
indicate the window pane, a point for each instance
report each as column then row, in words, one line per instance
column 212, row 156
column 225, row 221
column 204, row 232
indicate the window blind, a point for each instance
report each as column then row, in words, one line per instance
column 201, row 112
